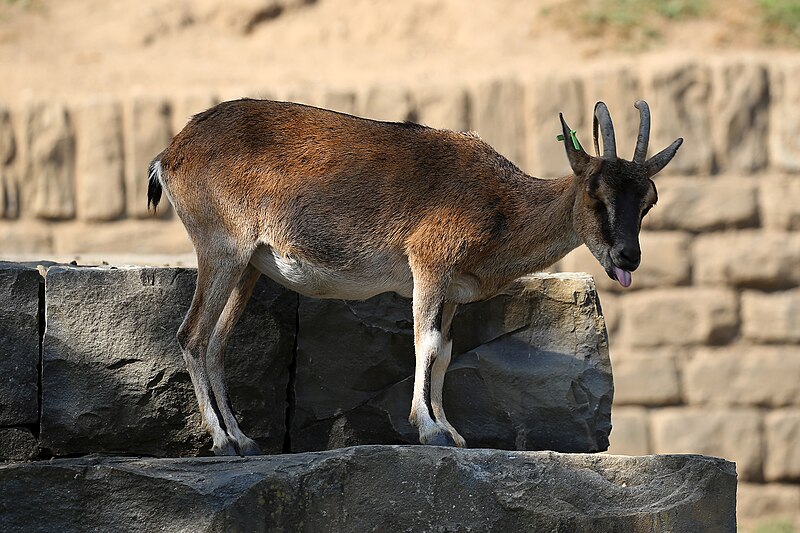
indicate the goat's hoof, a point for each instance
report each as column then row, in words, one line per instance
column 441, row 439
column 248, row 446
column 224, row 448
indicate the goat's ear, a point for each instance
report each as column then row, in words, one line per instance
column 578, row 158
column 655, row 164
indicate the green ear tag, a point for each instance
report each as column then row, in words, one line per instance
column 575, row 143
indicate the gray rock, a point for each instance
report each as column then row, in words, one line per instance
column 17, row 444
column 530, row 370
column 19, row 344
column 374, row 488
column 113, row 377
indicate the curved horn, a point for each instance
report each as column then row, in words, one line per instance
column 602, row 118
column 640, row 154
column 660, row 160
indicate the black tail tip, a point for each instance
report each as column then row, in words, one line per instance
column 154, row 185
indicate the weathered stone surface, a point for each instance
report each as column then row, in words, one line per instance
column 50, row 157
column 782, row 436
column 100, row 173
column 732, row 434
column 680, row 317
column 740, row 114
column 17, row 444
column 388, row 102
column 442, row 107
column 741, row 375
column 630, row 435
column 147, row 132
column 680, row 104
column 113, row 378
column 784, row 143
column 153, row 236
column 759, row 259
column 646, row 381
column 697, row 205
column 780, row 203
column 665, row 261
column 9, row 192
column 529, row 371
column 8, row 142
column 19, row 344
column 771, row 317
column 545, row 98
column 374, row 488
column 497, row 116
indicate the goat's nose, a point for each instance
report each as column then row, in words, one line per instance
column 626, row 256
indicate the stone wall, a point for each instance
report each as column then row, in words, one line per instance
column 705, row 345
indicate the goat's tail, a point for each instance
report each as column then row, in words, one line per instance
column 154, row 186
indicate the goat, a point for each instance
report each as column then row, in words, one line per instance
column 336, row 206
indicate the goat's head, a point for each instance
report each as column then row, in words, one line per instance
column 614, row 195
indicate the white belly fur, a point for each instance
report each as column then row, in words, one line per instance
column 381, row 274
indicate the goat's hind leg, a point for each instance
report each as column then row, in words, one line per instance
column 440, row 365
column 217, row 276
column 216, row 355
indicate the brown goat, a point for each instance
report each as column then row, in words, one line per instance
column 336, row 206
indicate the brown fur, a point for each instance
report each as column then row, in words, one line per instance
column 346, row 199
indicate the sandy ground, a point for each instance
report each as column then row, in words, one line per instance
column 77, row 47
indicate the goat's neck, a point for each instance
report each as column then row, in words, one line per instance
column 548, row 231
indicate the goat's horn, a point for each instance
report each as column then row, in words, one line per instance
column 640, row 154
column 602, row 118
column 660, row 160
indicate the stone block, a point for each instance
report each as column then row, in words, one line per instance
column 758, row 500
column 699, row 205
column 497, row 116
column 17, row 444
column 19, row 344
column 619, row 87
column 680, row 99
column 734, row 434
column 630, row 433
column 129, row 237
column 784, row 143
column 545, row 98
column 680, row 317
column 8, row 141
column 740, row 115
column 113, row 378
column 757, row 259
column 782, row 440
column 50, row 161
column 771, row 317
column 388, row 102
column 530, row 370
column 25, row 237
column 374, row 488
column 742, row 375
column 646, row 381
column 780, row 203
column 100, row 173
column 444, row 107
column 185, row 106
column 148, row 131
column 342, row 101
column 9, row 180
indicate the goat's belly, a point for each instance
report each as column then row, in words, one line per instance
column 372, row 278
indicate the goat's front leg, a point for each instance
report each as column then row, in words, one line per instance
column 428, row 302
column 440, row 365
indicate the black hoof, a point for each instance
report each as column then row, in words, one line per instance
column 441, row 439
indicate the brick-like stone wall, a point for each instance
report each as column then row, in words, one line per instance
column 705, row 345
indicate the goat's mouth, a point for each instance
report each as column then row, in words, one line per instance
column 622, row 276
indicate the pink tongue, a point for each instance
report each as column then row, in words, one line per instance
column 623, row 276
